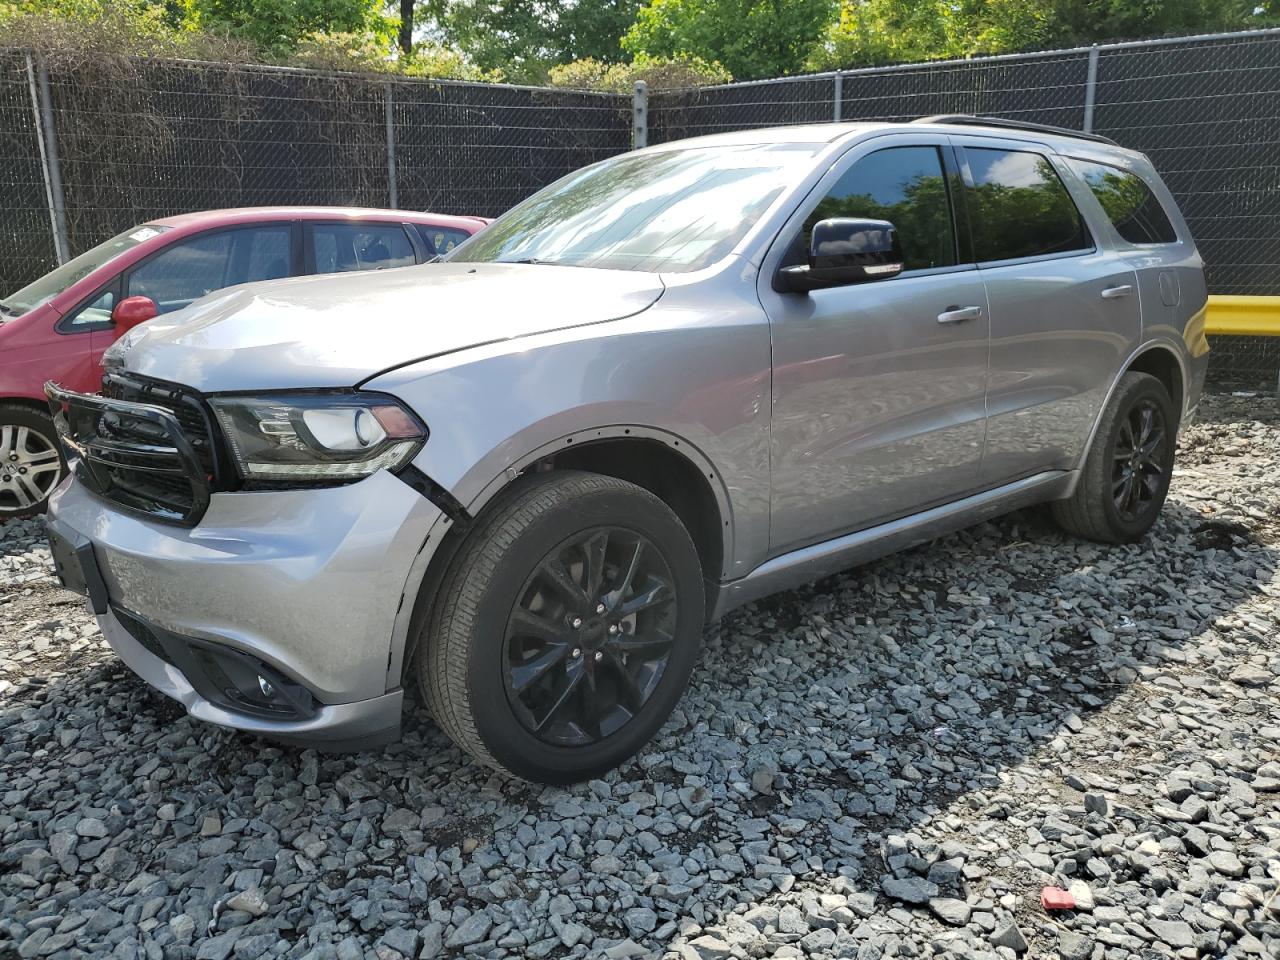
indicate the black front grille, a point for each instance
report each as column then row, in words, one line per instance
column 140, row 454
column 189, row 410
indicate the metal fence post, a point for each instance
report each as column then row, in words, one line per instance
column 837, row 96
column 46, row 138
column 640, row 116
column 392, row 193
column 1090, row 89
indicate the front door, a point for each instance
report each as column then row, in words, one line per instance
column 878, row 387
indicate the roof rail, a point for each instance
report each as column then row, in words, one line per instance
column 968, row 120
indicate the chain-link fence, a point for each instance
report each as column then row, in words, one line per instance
column 26, row 232
column 136, row 140
column 1206, row 110
column 140, row 139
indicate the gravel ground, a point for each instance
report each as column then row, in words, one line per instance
column 893, row 762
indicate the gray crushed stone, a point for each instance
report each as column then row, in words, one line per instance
column 893, row 762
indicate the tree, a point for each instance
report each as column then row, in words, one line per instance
column 592, row 29
column 900, row 31
column 404, row 37
column 525, row 38
column 278, row 26
column 678, row 74
column 753, row 39
column 895, row 31
column 1089, row 21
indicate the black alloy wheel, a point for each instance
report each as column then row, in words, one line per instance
column 565, row 627
column 590, row 636
column 1123, row 482
column 1138, row 473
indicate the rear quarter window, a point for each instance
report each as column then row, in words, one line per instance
column 442, row 239
column 1128, row 203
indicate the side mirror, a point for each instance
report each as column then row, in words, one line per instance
column 845, row 250
column 132, row 311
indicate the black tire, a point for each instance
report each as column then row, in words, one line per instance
column 1093, row 511
column 29, row 449
column 471, row 654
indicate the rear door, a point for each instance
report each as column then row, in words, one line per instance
column 878, row 387
column 346, row 245
column 1064, row 306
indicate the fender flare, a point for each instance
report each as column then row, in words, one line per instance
column 438, row 547
column 1147, row 347
column 622, row 431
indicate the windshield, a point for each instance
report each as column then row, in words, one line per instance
column 671, row 211
column 55, row 281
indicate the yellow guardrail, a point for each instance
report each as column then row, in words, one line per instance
column 1243, row 316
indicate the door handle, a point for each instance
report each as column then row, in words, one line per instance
column 1115, row 293
column 959, row 314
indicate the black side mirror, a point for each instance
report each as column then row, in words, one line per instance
column 846, row 250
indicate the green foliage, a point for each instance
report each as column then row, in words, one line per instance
column 367, row 52
column 279, row 26
column 895, row 31
column 524, row 38
column 604, row 44
column 675, row 74
column 753, row 39
column 592, row 29
column 178, row 28
column 444, row 63
column 73, row 26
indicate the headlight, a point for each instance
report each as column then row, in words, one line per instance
column 324, row 436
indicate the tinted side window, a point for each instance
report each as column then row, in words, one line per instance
column 261, row 253
column 1018, row 207
column 1128, row 202
column 906, row 186
column 442, row 239
column 338, row 247
column 184, row 272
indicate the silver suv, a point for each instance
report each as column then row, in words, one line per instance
column 525, row 477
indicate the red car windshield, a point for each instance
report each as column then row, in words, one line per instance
column 41, row 291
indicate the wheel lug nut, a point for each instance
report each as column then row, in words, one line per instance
column 576, row 653
column 599, row 656
column 613, row 628
column 576, row 622
column 599, row 608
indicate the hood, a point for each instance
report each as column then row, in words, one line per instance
column 340, row 329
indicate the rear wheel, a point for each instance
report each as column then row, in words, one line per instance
column 566, row 628
column 30, row 460
column 1126, row 475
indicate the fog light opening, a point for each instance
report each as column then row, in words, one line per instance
column 249, row 686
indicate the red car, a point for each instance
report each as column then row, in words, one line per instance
column 57, row 327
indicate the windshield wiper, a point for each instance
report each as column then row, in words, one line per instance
column 540, row 262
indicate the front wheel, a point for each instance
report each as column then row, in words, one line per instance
column 30, row 460
column 566, row 628
column 1129, row 465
